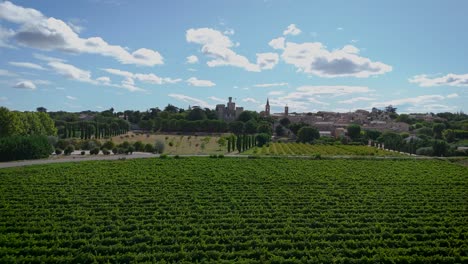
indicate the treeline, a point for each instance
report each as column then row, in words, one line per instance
column 92, row 129
column 14, row 123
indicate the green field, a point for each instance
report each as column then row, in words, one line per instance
column 326, row 150
column 235, row 210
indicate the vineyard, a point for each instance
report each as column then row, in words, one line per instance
column 235, row 210
column 326, row 150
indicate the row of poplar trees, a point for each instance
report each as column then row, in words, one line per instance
column 240, row 142
column 89, row 129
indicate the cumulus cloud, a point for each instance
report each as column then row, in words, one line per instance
column 266, row 85
column 143, row 77
column 29, row 85
column 292, row 30
column 28, row 65
column 48, row 33
column 450, row 79
column 277, row 43
column 193, row 81
column 190, row 100
column 267, row 61
column 71, row 72
column 218, row 47
column 71, row 97
column 314, row 58
column 192, row 59
column 356, row 99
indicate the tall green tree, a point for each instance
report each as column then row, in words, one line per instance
column 307, row 134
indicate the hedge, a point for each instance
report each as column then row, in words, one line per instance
column 24, row 148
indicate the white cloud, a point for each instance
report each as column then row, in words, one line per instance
column 48, row 33
column 71, row 72
column 266, row 85
column 47, row 58
column 217, row 99
column 330, row 90
column 250, row 100
column 104, row 80
column 6, row 73
column 229, row 32
column 5, row 35
column 143, row 77
column 454, row 95
column 29, row 85
column 193, row 81
column 217, row 46
column 275, row 93
column 450, row 79
column 339, row 28
column 192, row 59
column 71, row 97
column 434, row 108
column 415, row 101
column 292, row 30
column 314, row 58
column 267, row 61
column 356, row 99
column 28, row 65
column 190, row 100
column 277, row 43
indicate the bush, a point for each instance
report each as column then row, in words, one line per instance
column 130, row 150
column 24, row 148
column 121, row 150
column 159, row 146
column 69, row 149
column 220, row 156
column 163, row 156
column 149, row 148
column 139, row 146
column 105, row 151
column 52, row 140
column 176, row 157
column 262, row 139
column 90, row 144
column 62, row 144
column 115, row 151
column 83, row 153
column 124, row 145
column 426, row 151
column 95, row 151
column 108, row 145
column 58, row 151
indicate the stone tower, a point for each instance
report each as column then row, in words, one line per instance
column 267, row 108
column 286, row 111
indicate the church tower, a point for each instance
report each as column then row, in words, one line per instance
column 267, row 108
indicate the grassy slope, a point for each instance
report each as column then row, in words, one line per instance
column 200, row 209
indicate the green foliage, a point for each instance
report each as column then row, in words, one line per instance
column 285, row 122
column 139, row 146
column 108, row 145
column 105, row 151
column 14, row 123
column 307, row 134
column 440, row 148
column 265, row 128
column 247, row 116
column 159, row 146
column 262, row 139
column 235, row 211
column 296, row 126
column 437, row 130
column 354, row 131
column 391, row 140
column 196, row 114
column 149, row 148
column 425, row 151
column 236, row 127
column 250, row 127
column 68, row 150
column 58, row 151
column 279, row 130
column 95, row 151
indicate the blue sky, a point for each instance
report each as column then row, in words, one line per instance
column 309, row 55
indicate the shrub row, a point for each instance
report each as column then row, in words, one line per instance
column 24, row 148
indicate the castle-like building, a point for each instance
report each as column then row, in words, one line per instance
column 230, row 112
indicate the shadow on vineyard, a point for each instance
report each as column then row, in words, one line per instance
column 235, row 210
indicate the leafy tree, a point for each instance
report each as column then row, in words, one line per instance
column 24, row 147
column 250, row 127
column 139, row 146
column 69, row 149
column 149, row 148
column 262, row 139
column 264, row 127
column 239, row 143
column 236, row 127
column 405, row 118
column 354, row 131
column 391, row 140
column 390, row 109
column 159, row 146
column 41, row 109
column 440, row 148
column 171, row 109
column 108, row 145
column 246, row 116
column 373, row 134
column 437, row 130
column 308, row 134
column 296, row 126
column 285, row 122
column 196, row 114
column 279, row 130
